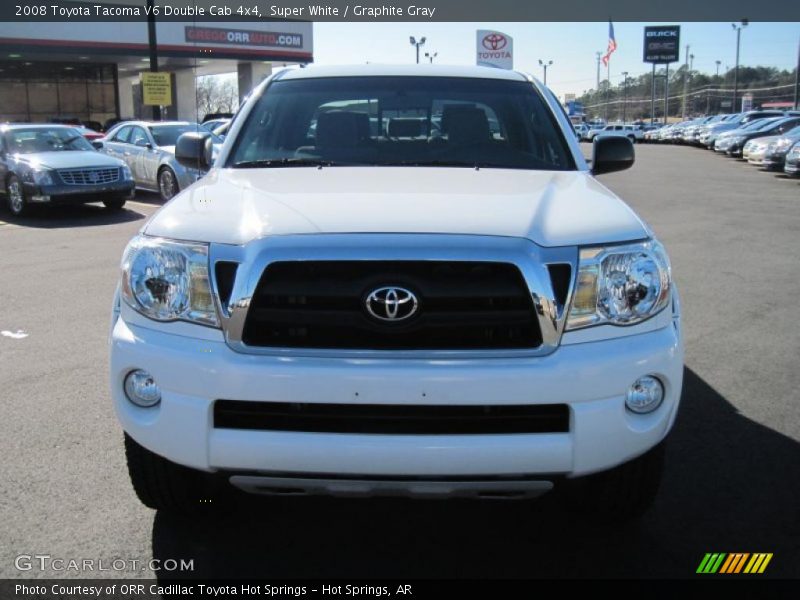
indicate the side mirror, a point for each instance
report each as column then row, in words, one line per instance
column 98, row 145
column 194, row 150
column 612, row 153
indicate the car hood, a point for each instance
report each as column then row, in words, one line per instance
column 764, row 139
column 234, row 206
column 68, row 159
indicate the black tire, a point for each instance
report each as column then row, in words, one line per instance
column 164, row 485
column 167, row 184
column 620, row 494
column 114, row 203
column 15, row 197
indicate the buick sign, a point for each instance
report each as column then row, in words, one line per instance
column 662, row 44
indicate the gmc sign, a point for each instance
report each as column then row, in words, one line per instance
column 662, row 44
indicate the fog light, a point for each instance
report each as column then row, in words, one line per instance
column 141, row 389
column 645, row 395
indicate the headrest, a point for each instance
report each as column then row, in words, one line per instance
column 465, row 124
column 406, row 127
column 342, row 129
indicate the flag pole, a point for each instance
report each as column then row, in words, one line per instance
column 608, row 82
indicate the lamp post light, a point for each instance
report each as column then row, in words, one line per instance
column 430, row 56
column 719, row 62
column 738, row 30
column 545, row 64
column 624, row 96
column 417, row 44
column 599, row 56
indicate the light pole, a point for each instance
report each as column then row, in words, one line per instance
column 599, row 56
column 719, row 62
column 416, row 43
column 624, row 96
column 430, row 56
column 545, row 64
column 738, row 30
column 685, row 83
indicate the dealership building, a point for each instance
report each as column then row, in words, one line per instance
column 91, row 71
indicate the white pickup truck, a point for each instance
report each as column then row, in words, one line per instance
column 398, row 280
column 631, row 132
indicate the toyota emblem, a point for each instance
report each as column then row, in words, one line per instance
column 392, row 303
column 494, row 41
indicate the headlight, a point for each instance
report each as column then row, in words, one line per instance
column 39, row 177
column 620, row 285
column 126, row 172
column 168, row 281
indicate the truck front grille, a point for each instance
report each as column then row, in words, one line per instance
column 461, row 306
column 88, row 176
column 409, row 419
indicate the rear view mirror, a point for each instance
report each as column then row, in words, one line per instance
column 612, row 153
column 194, row 150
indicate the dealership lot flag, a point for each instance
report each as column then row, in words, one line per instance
column 612, row 44
column 494, row 49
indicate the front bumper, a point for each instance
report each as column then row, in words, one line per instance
column 77, row 194
column 591, row 377
column 792, row 166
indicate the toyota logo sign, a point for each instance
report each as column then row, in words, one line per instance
column 391, row 303
column 494, row 49
column 494, row 41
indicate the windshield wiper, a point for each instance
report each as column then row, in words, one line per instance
column 283, row 162
column 470, row 164
column 68, row 141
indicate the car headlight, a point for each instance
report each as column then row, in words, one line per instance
column 620, row 285
column 126, row 172
column 168, row 281
column 39, row 177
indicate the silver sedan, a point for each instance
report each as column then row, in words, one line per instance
column 148, row 147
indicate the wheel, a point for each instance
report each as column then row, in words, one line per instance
column 164, row 485
column 167, row 183
column 114, row 203
column 620, row 494
column 15, row 195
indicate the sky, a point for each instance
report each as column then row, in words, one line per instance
column 571, row 46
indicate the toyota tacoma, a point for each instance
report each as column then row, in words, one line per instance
column 398, row 281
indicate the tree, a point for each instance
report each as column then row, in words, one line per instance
column 216, row 94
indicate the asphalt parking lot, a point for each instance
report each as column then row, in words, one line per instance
column 733, row 459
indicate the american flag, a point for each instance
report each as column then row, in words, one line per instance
column 612, row 43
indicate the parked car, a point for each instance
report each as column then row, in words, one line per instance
column 739, row 120
column 357, row 313
column 89, row 134
column 148, row 147
column 214, row 124
column 755, row 149
column 791, row 164
column 631, row 132
column 55, row 164
column 775, row 155
column 733, row 142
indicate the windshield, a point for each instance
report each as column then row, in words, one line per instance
column 419, row 121
column 45, row 139
column 167, row 135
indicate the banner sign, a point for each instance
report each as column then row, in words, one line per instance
column 242, row 37
column 156, row 89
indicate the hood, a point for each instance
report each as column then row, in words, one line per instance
column 235, row 206
column 69, row 159
column 764, row 139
